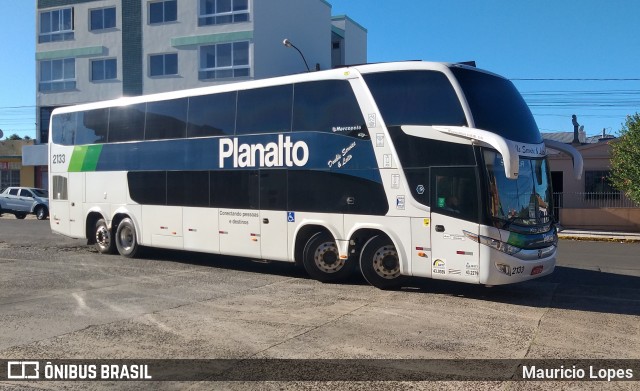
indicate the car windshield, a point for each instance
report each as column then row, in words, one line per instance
column 523, row 201
column 41, row 193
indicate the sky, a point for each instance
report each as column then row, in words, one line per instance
column 565, row 56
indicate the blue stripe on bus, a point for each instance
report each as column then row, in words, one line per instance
column 327, row 151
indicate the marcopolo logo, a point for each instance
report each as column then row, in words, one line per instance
column 280, row 154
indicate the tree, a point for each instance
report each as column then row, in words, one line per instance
column 625, row 160
column 14, row 137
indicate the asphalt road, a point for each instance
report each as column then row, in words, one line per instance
column 61, row 299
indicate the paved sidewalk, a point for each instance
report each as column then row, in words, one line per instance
column 599, row 235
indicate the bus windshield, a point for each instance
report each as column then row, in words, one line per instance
column 524, row 201
column 497, row 106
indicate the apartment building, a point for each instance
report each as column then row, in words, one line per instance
column 91, row 50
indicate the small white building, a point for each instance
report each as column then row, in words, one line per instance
column 91, row 50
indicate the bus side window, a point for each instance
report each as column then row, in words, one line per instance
column 59, row 187
column 264, row 110
column 328, row 106
column 455, row 192
column 188, row 188
column 237, row 189
column 212, row 115
column 418, row 181
column 416, row 98
column 148, row 187
column 126, row 123
column 166, row 119
column 64, row 128
column 273, row 189
column 93, row 126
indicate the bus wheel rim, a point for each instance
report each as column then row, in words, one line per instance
column 327, row 258
column 126, row 238
column 102, row 237
column 386, row 262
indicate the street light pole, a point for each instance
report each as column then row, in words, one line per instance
column 288, row 44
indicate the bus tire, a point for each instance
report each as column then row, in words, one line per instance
column 103, row 237
column 322, row 261
column 127, row 239
column 380, row 264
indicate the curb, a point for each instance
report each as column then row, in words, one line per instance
column 600, row 238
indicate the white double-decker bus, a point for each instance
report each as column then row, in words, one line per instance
column 399, row 169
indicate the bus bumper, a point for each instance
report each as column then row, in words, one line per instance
column 503, row 268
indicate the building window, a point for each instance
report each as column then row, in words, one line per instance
column 57, row 75
column 223, row 12
column 224, row 60
column 43, row 128
column 9, row 175
column 597, row 185
column 56, row 25
column 104, row 69
column 163, row 64
column 102, row 19
column 163, row 11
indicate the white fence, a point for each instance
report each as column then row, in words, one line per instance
column 592, row 200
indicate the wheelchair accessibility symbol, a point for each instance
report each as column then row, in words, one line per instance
column 291, row 217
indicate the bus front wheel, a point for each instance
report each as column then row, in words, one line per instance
column 104, row 241
column 127, row 239
column 380, row 263
column 322, row 260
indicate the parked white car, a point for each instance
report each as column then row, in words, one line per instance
column 25, row 200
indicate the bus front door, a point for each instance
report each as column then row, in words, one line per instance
column 454, row 210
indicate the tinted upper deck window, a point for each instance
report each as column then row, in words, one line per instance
column 92, row 127
column 415, row 98
column 497, row 106
column 327, row 106
column 265, row 110
column 212, row 115
column 166, row 119
column 126, row 123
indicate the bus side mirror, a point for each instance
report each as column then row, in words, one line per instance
column 578, row 163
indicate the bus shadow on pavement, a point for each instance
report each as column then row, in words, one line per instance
column 567, row 288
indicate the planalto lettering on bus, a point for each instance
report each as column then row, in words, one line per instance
column 280, row 154
column 284, row 169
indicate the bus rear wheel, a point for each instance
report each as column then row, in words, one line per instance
column 127, row 239
column 103, row 237
column 322, row 260
column 380, row 263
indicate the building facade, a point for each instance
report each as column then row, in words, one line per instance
column 12, row 171
column 590, row 202
column 92, row 50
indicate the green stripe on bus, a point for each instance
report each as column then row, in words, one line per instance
column 91, row 158
column 85, row 158
column 77, row 158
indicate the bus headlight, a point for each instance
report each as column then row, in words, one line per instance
column 504, row 269
column 493, row 243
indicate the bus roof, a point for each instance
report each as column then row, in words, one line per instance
column 337, row 73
